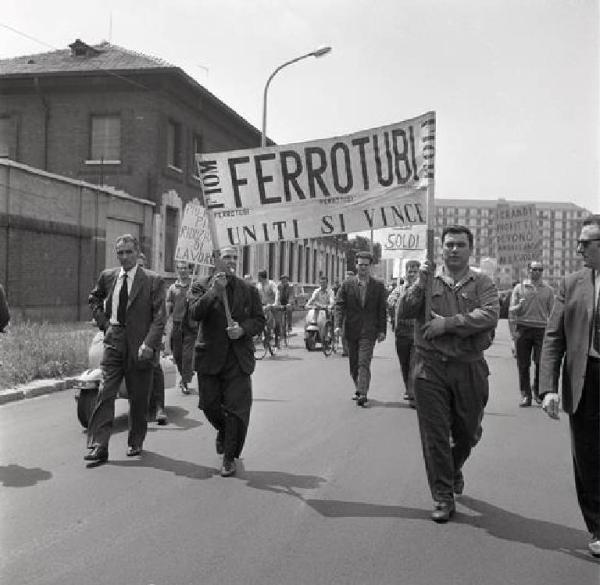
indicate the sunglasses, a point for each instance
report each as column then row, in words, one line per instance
column 584, row 243
column 229, row 256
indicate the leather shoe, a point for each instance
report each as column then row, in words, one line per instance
column 525, row 401
column 161, row 416
column 594, row 545
column 219, row 443
column 133, row 451
column 361, row 401
column 229, row 468
column 442, row 512
column 97, row 453
column 538, row 400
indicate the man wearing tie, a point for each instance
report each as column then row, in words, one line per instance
column 573, row 333
column 128, row 304
column 360, row 305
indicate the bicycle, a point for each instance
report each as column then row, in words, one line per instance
column 331, row 340
column 265, row 342
column 281, row 324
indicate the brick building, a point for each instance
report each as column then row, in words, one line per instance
column 110, row 116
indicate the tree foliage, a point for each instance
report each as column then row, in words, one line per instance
column 360, row 244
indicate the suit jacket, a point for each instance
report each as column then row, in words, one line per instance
column 145, row 317
column 568, row 335
column 246, row 310
column 361, row 321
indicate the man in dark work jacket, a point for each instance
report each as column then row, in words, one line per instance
column 225, row 358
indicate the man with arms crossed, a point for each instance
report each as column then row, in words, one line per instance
column 128, row 303
column 573, row 340
column 450, row 373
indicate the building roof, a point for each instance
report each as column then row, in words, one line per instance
column 492, row 203
column 83, row 59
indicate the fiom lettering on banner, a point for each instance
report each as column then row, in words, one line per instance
column 194, row 244
column 368, row 180
column 517, row 234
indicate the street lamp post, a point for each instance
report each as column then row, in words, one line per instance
column 320, row 52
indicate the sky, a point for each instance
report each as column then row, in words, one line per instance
column 514, row 83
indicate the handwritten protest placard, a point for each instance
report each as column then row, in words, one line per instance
column 194, row 244
column 517, row 234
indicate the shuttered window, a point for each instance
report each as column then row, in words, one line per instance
column 106, row 138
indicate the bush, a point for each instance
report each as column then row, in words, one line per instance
column 29, row 351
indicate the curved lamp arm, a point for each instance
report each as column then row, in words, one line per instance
column 316, row 53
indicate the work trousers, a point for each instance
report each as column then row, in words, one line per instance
column 450, row 397
column 182, row 345
column 528, row 340
column 360, row 354
column 157, row 392
column 226, row 402
column 116, row 366
column 405, row 350
column 585, row 447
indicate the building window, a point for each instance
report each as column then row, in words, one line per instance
column 171, row 233
column 105, row 142
column 174, row 144
column 5, row 137
column 197, row 148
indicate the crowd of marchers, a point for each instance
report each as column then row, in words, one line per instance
column 443, row 320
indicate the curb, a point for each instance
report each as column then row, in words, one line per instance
column 36, row 388
column 49, row 386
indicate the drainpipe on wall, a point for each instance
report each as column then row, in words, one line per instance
column 36, row 83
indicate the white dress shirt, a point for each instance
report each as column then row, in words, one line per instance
column 117, row 290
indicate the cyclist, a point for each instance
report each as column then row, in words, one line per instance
column 267, row 291
column 322, row 298
column 284, row 297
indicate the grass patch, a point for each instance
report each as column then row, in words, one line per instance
column 30, row 351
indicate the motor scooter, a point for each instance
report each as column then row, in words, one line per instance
column 314, row 326
column 87, row 385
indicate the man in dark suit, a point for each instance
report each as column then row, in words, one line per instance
column 573, row 339
column 128, row 304
column 231, row 314
column 361, row 305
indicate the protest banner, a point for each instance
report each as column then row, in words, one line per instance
column 371, row 179
column 408, row 242
column 517, row 233
column 194, row 244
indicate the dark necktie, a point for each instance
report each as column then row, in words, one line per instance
column 123, row 298
column 596, row 321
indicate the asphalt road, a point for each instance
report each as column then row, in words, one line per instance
column 326, row 493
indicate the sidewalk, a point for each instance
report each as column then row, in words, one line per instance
column 51, row 385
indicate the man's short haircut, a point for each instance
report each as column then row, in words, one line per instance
column 412, row 263
column 262, row 274
column 458, row 229
column 284, row 276
column 366, row 255
column 592, row 220
column 532, row 262
column 127, row 238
